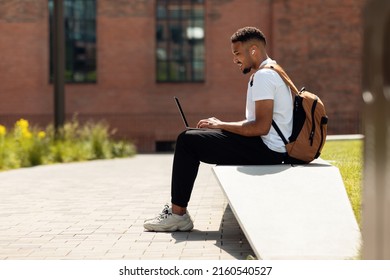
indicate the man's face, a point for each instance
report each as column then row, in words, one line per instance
column 241, row 57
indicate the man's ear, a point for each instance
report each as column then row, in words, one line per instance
column 253, row 49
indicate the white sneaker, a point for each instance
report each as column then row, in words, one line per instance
column 165, row 210
column 167, row 221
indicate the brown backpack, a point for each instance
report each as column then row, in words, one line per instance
column 309, row 123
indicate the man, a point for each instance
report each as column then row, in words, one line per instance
column 252, row 141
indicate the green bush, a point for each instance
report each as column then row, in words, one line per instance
column 26, row 146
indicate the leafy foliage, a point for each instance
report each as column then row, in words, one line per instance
column 25, row 146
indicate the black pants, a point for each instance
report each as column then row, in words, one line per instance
column 214, row 147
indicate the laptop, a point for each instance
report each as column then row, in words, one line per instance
column 183, row 116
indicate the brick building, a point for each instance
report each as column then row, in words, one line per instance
column 143, row 52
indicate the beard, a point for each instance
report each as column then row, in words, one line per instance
column 246, row 70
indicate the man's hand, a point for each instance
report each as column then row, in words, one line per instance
column 209, row 123
column 260, row 126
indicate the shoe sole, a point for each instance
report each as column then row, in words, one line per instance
column 187, row 227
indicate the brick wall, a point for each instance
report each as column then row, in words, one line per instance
column 24, row 59
column 318, row 42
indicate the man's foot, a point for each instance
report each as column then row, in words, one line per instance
column 167, row 221
column 165, row 210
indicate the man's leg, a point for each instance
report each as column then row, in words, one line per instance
column 209, row 146
column 214, row 147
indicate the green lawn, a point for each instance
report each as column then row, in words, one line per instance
column 348, row 157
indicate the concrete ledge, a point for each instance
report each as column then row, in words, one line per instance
column 286, row 212
column 345, row 137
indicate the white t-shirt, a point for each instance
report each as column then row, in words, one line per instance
column 267, row 84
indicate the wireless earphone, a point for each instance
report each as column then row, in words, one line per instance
column 253, row 52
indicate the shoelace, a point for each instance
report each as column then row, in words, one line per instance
column 164, row 213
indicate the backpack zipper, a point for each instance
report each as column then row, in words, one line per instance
column 324, row 121
column 313, row 128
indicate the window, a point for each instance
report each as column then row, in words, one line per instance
column 180, row 41
column 80, row 40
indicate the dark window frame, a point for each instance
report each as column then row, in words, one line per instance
column 180, row 42
column 80, row 41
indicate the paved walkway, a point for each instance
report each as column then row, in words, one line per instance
column 95, row 210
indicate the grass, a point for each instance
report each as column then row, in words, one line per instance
column 347, row 155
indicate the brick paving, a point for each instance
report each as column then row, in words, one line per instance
column 96, row 209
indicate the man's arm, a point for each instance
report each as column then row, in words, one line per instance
column 260, row 126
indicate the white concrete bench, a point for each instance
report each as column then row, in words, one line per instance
column 292, row 212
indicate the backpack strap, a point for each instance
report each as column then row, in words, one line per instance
column 283, row 75
column 290, row 84
column 276, row 127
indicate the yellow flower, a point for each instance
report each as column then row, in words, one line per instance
column 3, row 130
column 22, row 124
column 21, row 127
column 26, row 134
column 41, row 134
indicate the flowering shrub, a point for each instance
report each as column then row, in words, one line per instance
column 26, row 146
column 3, row 130
column 22, row 129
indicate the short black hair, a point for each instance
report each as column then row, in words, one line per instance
column 248, row 33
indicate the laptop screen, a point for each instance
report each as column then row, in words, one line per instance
column 181, row 112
